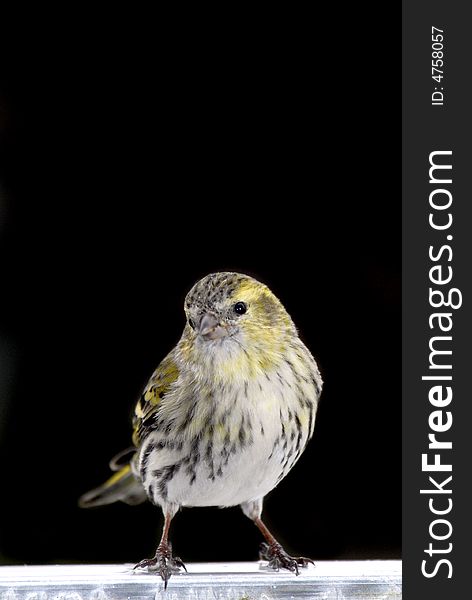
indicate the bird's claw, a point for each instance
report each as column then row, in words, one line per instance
column 279, row 559
column 164, row 563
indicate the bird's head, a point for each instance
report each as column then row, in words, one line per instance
column 232, row 313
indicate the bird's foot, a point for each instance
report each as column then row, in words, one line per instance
column 279, row 559
column 163, row 563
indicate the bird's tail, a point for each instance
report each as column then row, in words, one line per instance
column 121, row 486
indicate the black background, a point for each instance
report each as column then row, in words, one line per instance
column 133, row 169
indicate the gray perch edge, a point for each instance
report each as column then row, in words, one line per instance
column 337, row 580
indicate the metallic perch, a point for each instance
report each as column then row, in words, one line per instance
column 340, row 580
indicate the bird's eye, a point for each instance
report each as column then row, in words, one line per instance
column 191, row 323
column 240, row 308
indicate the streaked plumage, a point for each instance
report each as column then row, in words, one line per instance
column 226, row 414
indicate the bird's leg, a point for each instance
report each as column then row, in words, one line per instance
column 276, row 555
column 163, row 562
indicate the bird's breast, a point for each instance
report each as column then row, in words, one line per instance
column 230, row 444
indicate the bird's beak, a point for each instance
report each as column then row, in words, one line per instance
column 210, row 329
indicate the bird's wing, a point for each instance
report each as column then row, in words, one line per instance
column 158, row 386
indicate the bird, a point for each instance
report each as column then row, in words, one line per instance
column 223, row 418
